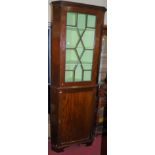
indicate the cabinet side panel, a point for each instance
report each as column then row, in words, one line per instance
column 76, row 115
column 98, row 39
column 54, row 115
column 55, row 50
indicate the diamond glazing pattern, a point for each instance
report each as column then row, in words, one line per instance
column 80, row 40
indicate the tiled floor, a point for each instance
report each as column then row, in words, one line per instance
column 95, row 149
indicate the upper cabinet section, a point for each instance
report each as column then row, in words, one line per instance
column 76, row 43
column 102, row 3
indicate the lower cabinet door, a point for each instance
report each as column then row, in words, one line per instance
column 76, row 116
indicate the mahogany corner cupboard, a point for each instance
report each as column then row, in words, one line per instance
column 75, row 53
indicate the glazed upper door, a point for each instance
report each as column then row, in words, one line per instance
column 81, row 33
column 80, row 43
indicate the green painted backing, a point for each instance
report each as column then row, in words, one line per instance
column 80, row 42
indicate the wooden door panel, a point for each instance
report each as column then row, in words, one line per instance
column 76, row 115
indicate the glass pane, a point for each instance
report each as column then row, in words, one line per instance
column 91, row 21
column 70, row 66
column 78, row 73
column 87, row 56
column 81, row 21
column 89, row 38
column 80, row 48
column 71, row 19
column 68, row 76
column 71, row 57
column 72, row 37
column 87, row 66
column 81, row 31
column 87, row 75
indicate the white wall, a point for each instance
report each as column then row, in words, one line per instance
column 92, row 2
